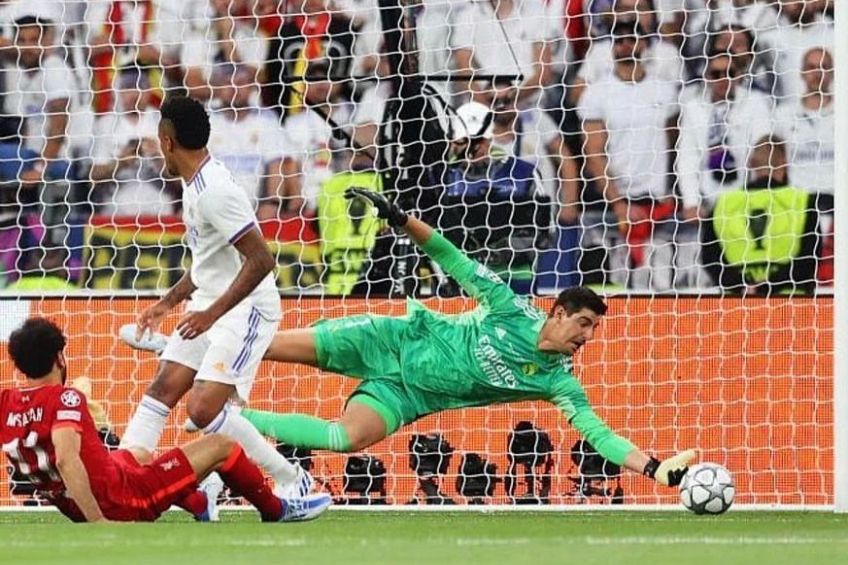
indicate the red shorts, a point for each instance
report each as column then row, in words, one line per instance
column 145, row 491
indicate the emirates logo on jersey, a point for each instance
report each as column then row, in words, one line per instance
column 70, row 398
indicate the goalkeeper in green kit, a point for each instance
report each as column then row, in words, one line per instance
column 506, row 350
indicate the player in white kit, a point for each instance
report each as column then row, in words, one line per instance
column 232, row 315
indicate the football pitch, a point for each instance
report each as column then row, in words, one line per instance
column 655, row 538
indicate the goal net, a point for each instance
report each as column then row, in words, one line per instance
column 677, row 156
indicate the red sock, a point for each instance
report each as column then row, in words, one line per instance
column 245, row 479
column 194, row 503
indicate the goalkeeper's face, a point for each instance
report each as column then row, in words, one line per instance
column 566, row 333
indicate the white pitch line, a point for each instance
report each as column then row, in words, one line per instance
column 708, row 540
column 98, row 542
column 475, row 542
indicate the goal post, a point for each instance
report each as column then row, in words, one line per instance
column 840, row 326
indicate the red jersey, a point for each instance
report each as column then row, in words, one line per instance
column 27, row 418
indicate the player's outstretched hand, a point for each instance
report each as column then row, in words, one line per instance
column 670, row 472
column 386, row 210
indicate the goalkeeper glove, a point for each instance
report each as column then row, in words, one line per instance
column 386, row 210
column 670, row 472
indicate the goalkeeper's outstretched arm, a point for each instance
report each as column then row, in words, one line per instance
column 618, row 450
column 474, row 278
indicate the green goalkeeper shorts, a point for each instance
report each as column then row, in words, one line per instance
column 368, row 347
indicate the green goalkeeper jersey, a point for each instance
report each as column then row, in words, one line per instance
column 490, row 355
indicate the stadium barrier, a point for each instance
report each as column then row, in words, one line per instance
column 148, row 253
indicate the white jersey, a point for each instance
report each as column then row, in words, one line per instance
column 30, row 91
column 635, row 115
column 217, row 212
column 810, row 139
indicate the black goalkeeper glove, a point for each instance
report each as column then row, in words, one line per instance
column 386, row 210
column 670, row 472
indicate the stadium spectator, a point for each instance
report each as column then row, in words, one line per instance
column 603, row 14
column 374, row 94
column 719, row 123
column 249, row 141
column 370, row 107
column 807, row 124
column 64, row 16
column 434, row 22
column 365, row 20
column 628, row 124
column 532, row 136
column 762, row 237
column 232, row 37
column 747, row 54
column 123, row 33
column 127, row 165
column 661, row 58
column 492, row 204
column 703, row 19
column 269, row 14
column 513, row 38
column 176, row 41
column 313, row 31
column 45, row 97
column 802, row 25
column 313, row 145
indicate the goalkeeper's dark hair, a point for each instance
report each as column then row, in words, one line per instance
column 576, row 298
column 189, row 119
column 35, row 346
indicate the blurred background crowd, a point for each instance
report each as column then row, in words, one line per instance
column 661, row 145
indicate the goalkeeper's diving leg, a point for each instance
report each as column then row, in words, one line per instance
column 360, row 347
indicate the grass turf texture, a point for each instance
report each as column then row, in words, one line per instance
column 658, row 538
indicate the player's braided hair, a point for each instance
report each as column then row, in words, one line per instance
column 35, row 346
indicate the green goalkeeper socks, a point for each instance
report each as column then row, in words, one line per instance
column 300, row 430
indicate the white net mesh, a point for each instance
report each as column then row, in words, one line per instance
column 666, row 152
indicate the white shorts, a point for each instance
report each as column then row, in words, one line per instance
column 229, row 353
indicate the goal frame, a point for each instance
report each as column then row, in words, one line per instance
column 839, row 337
column 840, row 221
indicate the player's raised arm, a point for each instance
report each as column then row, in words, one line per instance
column 477, row 280
column 66, row 442
column 617, row 449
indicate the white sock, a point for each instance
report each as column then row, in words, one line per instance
column 234, row 426
column 145, row 427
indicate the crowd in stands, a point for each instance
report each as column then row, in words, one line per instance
column 632, row 122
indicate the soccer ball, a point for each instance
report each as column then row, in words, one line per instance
column 707, row 489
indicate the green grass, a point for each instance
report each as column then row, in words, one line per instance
column 575, row 538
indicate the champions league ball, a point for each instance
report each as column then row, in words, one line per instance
column 707, row 489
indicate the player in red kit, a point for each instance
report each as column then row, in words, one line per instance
column 48, row 435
